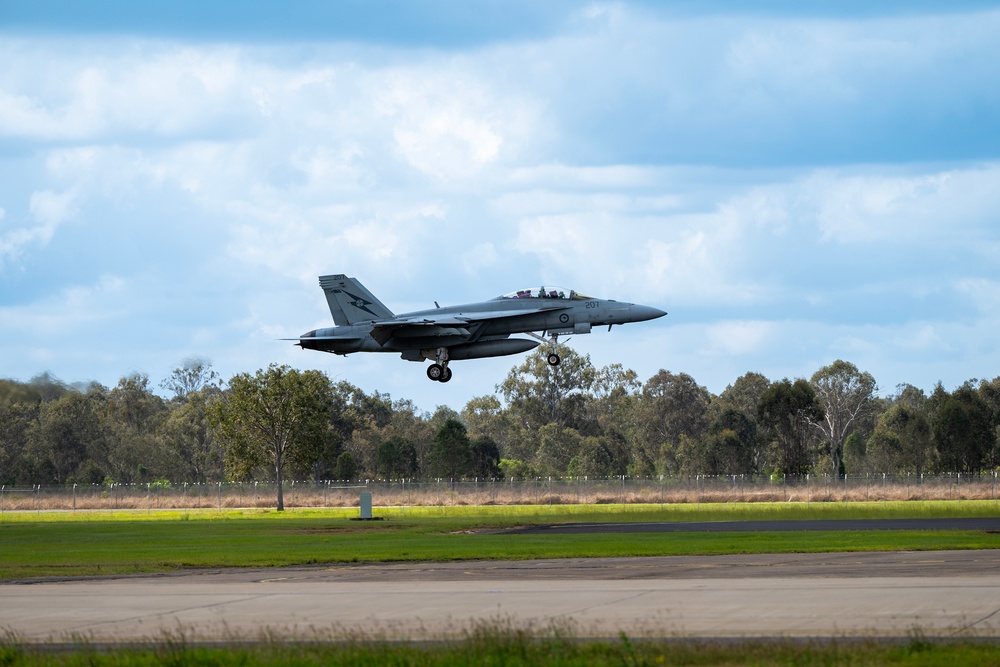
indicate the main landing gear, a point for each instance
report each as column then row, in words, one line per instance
column 439, row 371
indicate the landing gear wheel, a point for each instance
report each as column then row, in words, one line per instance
column 436, row 372
column 445, row 376
column 554, row 359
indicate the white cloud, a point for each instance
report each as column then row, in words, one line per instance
column 439, row 173
column 76, row 308
column 869, row 208
column 49, row 209
column 477, row 258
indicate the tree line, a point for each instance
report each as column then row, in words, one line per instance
column 569, row 420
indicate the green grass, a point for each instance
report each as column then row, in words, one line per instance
column 95, row 543
column 516, row 648
column 517, row 514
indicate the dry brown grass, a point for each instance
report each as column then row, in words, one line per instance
column 539, row 493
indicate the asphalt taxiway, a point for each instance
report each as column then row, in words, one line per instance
column 951, row 593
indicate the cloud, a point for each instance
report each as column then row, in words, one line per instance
column 49, row 210
column 477, row 258
column 788, row 188
column 76, row 308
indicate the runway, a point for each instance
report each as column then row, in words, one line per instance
column 951, row 593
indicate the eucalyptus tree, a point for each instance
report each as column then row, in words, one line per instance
column 785, row 413
column 901, row 441
column 67, row 432
column 844, row 393
column 263, row 419
column 451, row 455
column 134, row 416
column 188, row 434
column 396, row 458
column 745, row 393
column 16, row 421
column 485, row 458
column 193, row 375
column 486, row 417
column 538, row 393
column 731, row 444
column 672, row 407
column 963, row 431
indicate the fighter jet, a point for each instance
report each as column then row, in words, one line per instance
column 472, row 331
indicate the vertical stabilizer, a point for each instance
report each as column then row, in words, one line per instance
column 350, row 302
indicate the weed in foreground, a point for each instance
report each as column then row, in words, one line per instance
column 502, row 642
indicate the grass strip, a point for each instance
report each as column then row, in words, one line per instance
column 520, row 514
column 90, row 546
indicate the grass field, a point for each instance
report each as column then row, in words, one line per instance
column 35, row 544
column 40, row 544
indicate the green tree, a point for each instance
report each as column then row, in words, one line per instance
column 266, row 417
column 731, row 444
column 844, row 393
column 16, row 421
column 613, row 421
column 594, row 459
column 485, row 458
column 786, row 411
column 671, row 406
column 452, row 452
column 557, row 446
column 347, row 467
column 133, row 415
column 193, row 375
column 538, row 394
column 989, row 392
column 188, row 435
column 396, row 459
column 963, row 431
column 745, row 394
column 66, row 431
column 485, row 417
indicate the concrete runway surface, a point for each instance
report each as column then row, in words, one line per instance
column 950, row 593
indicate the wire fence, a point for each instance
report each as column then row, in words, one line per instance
column 512, row 491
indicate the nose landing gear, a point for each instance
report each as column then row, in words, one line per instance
column 553, row 357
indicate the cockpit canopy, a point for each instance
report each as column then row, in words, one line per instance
column 544, row 292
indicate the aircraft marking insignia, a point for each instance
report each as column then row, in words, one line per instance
column 359, row 303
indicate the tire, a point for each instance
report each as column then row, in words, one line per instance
column 435, row 372
column 554, row 359
column 446, row 376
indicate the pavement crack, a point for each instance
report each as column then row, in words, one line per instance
column 171, row 612
column 969, row 626
column 580, row 610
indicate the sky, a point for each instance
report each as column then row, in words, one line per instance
column 795, row 182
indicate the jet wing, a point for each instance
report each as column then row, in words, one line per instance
column 383, row 331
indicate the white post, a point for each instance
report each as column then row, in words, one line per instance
column 366, row 505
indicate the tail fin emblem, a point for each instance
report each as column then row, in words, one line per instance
column 360, row 303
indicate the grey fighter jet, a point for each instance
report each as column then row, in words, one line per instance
column 472, row 331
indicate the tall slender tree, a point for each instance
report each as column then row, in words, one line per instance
column 843, row 392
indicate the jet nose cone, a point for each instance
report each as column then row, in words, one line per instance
column 642, row 313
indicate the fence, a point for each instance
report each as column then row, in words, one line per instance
column 536, row 491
